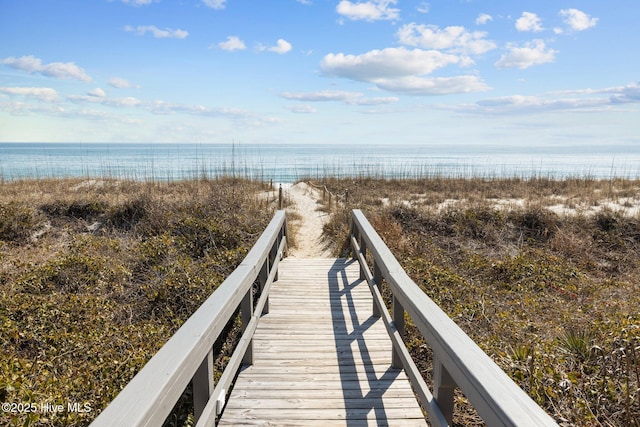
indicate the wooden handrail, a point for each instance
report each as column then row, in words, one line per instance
column 458, row 361
column 188, row 355
column 326, row 190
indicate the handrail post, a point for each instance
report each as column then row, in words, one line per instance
column 271, row 259
column 202, row 384
column 353, row 233
column 246, row 310
column 262, row 281
column 398, row 321
column 363, row 251
column 377, row 282
column 443, row 389
column 283, row 236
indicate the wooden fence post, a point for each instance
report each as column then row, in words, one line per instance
column 203, row 386
column 280, row 197
column 262, row 281
column 363, row 251
column 246, row 310
column 377, row 282
column 443, row 388
column 398, row 321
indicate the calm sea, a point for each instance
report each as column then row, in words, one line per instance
column 288, row 162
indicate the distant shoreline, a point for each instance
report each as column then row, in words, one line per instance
column 288, row 163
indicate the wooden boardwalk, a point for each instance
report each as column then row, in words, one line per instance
column 320, row 357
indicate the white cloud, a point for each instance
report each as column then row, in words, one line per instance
column 578, row 20
column 425, row 86
column 532, row 53
column 44, row 94
column 455, row 38
column 59, row 70
column 302, row 109
column 618, row 94
column 46, row 101
column 386, row 63
column 281, row 47
column 232, row 43
column 167, row 33
column 520, row 104
column 119, row 83
column 160, row 107
column 403, row 71
column 347, row 97
column 529, row 22
column 423, row 7
column 626, row 94
column 324, row 95
column 128, row 101
column 378, row 100
column 585, row 100
column 373, row 10
column 215, row 4
column 97, row 92
column 483, row 18
column 137, row 2
column 305, row 2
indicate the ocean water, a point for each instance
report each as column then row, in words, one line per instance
column 287, row 163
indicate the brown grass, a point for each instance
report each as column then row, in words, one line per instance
column 551, row 296
column 96, row 275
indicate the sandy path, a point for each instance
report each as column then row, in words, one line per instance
column 310, row 243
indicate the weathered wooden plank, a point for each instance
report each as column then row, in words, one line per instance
column 290, row 389
column 380, row 414
column 376, row 370
column 286, row 348
column 319, row 394
column 283, row 363
column 288, row 402
column 325, row 423
column 320, row 355
column 364, row 377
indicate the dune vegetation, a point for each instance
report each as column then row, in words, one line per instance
column 96, row 275
column 543, row 274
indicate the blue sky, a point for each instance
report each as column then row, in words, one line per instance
column 490, row 72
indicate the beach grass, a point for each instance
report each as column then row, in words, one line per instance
column 95, row 275
column 543, row 274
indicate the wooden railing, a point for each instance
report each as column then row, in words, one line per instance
column 188, row 355
column 457, row 359
column 333, row 198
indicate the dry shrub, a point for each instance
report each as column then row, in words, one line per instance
column 552, row 299
column 390, row 231
column 535, row 222
column 83, row 307
column 17, row 222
